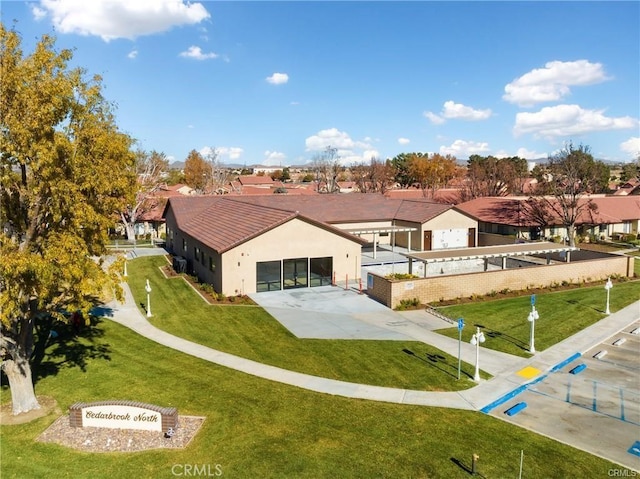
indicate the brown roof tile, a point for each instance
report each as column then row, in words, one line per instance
column 222, row 223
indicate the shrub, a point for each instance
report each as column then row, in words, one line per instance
column 401, row 276
column 406, row 304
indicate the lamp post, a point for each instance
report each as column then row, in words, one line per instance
column 608, row 285
column 476, row 339
column 148, row 290
column 125, row 265
column 460, row 326
column 533, row 316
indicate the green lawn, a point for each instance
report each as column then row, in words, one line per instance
column 562, row 314
column 250, row 332
column 255, row 428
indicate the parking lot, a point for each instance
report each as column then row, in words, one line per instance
column 596, row 409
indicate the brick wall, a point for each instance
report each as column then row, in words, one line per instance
column 435, row 288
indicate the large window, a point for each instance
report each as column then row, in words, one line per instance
column 295, row 273
column 320, row 271
column 269, row 276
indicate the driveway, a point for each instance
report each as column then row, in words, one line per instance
column 330, row 312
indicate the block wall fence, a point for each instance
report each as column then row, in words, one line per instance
column 436, row 288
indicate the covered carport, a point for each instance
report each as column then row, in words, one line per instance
column 377, row 230
column 539, row 253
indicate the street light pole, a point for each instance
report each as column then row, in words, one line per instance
column 460, row 326
column 148, row 290
column 608, row 285
column 533, row 316
column 476, row 339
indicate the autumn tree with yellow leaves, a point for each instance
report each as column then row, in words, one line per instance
column 65, row 171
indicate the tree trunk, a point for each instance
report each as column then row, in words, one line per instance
column 129, row 226
column 130, row 230
column 23, row 395
column 571, row 233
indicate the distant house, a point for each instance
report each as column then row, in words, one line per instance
column 631, row 187
column 348, row 186
column 510, row 216
column 151, row 222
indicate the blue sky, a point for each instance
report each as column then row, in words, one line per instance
column 275, row 83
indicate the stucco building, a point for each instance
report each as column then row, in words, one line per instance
column 251, row 244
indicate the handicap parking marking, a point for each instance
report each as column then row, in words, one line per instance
column 635, row 449
column 529, row 372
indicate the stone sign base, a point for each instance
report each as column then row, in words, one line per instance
column 124, row 415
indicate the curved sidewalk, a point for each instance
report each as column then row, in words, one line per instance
column 475, row 398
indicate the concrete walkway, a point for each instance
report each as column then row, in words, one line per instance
column 474, row 398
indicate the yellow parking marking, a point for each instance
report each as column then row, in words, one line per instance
column 528, row 372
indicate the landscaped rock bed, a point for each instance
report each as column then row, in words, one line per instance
column 96, row 439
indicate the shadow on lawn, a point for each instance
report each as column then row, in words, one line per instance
column 465, row 468
column 61, row 345
column 494, row 334
column 436, row 360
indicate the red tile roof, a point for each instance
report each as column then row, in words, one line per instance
column 223, row 223
column 255, row 180
column 443, row 195
column 509, row 210
column 351, row 208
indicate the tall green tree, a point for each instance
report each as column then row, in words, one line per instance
column 65, row 171
column 401, row 165
column 491, row 176
column 631, row 170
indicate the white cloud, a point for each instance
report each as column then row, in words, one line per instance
column 404, row 141
column 348, row 158
column 521, row 153
column 462, row 148
column 457, row 111
column 132, row 54
column 552, row 82
column 278, row 78
column 231, row 153
column 273, row 158
column 112, row 19
column 530, row 154
column 349, row 150
column 433, row 118
column 38, row 13
column 631, row 146
column 567, row 120
column 197, row 54
column 334, row 138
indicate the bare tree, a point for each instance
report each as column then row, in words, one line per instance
column 568, row 177
column 150, row 168
column 326, row 166
column 219, row 176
